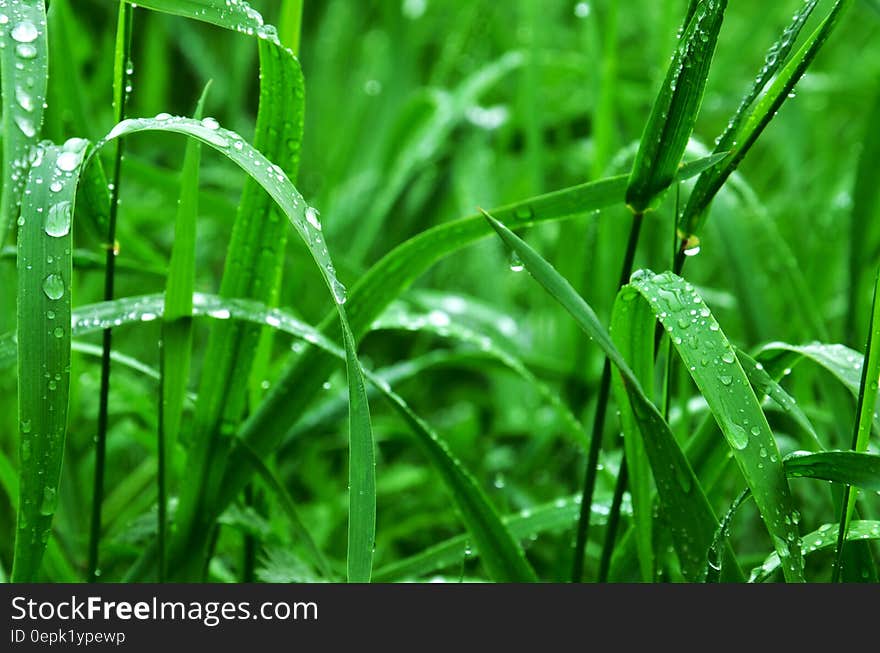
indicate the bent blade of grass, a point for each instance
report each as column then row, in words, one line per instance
column 694, row 215
column 675, row 110
column 843, row 363
column 720, row 378
column 824, row 537
column 681, row 495
column 44, row 318
column 24, row 68
column 849, row 467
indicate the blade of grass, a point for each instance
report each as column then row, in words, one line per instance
column 722, row 381
column 867, row 401
column 44, row 313
column 176, row 337
column 675, row 110
column 24, row 68
column 825, row 537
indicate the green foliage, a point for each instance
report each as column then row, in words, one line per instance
column 382, row 397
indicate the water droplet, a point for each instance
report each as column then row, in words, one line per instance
column 24, row 99
column 58, row 219
column 339, row 292
column 210, row 123
column 312, row 218
column 53, row 286
column 56, row 186
column 756, row 430
column 516, row 264
column 26, row 428
column 50, row 501
column 728, row 357
column 25, row 51
column 25, row 32
column 738, row 437
column 26, row 126
column 725, row 380
column 58, row 332
column 68, row 161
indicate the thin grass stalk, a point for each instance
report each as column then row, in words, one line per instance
column 123, row 51
column 583, row 526
column 861, row 427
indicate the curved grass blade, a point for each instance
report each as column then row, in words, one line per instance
column 634, row 335
column 675, row 110
column 694, row 215
column 714, row 563
column 850, row 467
column 843, row 363
column 824, row 537
column 44, row 310
column 715, row 369
column 270, row 177
column 681, row 495
column 24, row 68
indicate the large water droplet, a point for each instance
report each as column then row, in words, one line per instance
column 53, row 286
column 26, row 126
column 312, row 218
column 50, row 501
column 339, row 292
column 25, row 32
column 24, row 99
column 738, row 436
column 25, row 51
column 210, row 123
column 67, row 161
column 58, row 219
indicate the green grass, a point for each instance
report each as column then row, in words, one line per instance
column 255, row 325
